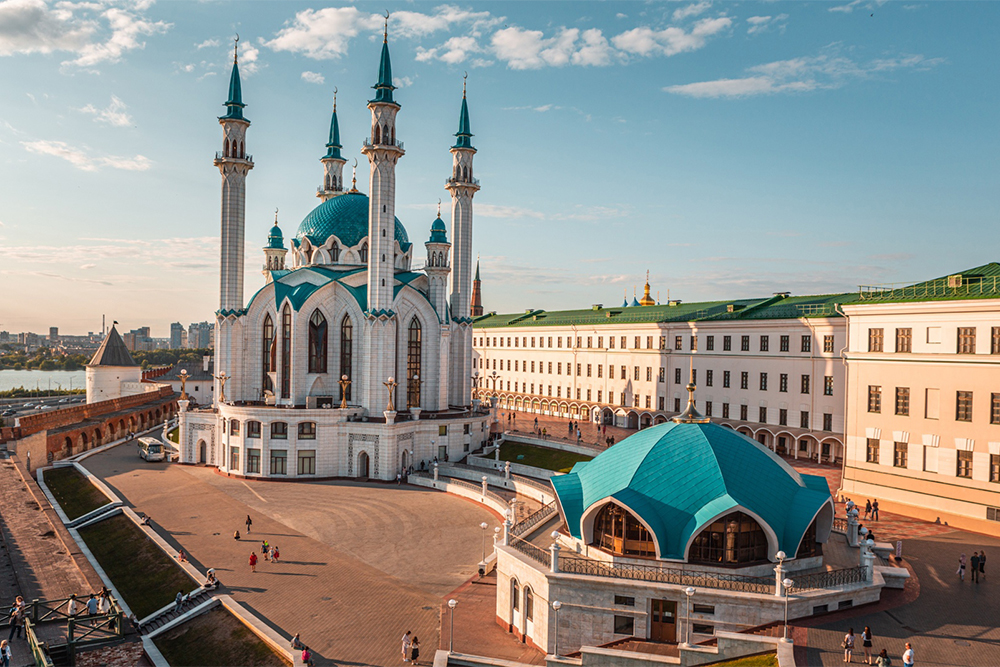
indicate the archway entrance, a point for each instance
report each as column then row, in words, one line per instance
column 363, row 465
column 405, row 460
column 202, row 452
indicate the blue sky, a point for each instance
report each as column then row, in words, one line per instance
column 732, row 149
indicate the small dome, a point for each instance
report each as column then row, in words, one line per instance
column 275, row 239
column 439, row 233
column 679, row 477
column 345, row 217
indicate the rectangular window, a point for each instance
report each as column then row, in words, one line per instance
column 625, row 372
column 703, row 609
column 307, row 461
column 725, row 410
column 279, row 462
column 590, row 342
column 532, row 366
column 677, row 376
column 708, row 377
column 827, row 421
column 966, row 340
column 964, row 464
column 678, row 342
column 623, row 342
column 611, row 342
column 579, row 370
column 649, row 373
column 253, row 429
column 558, row 342
column 677, row 405
column 649, row 342
column 588, row 370
column 743, row 413
column 782, row 417
column 807, row 343
column 550, row 342
column 745, row 343
column 804, row 419
column 588, row 394
column 828, row 344
column 559, row 368
column 600, row 370
column 995, row 341
column 598, row 395
column 709, row 343
column 279, row 431
column 550, row 368
column 661, row 403
column 253, row 461
column 783, row 382
column 744, row 380
column 874, row 398
column 466, row 429
column 904, row 340
column 443, row 429
column 708, row 408
column 703, row 628
column 600, row 341
column 762, row 415
column 663, row 342
column 611, row 372
column 725, row 379
column 694, row 343
column 963, row 406
column 234, row 427
column 234, row 458
column 765, row 343
column 662, row 376
column 903, row 401
column 649, row 402
column 871, row 450
column 763, row 381
column 995, row 468
column 828, row 385
column 805, row 384
column 624, row 601
column 635, row 374
column 875, row 340
column 900, row 450
column 307, row 431
column 995, row 408
column 727, row 343
column 783, row 343
column 624, row 625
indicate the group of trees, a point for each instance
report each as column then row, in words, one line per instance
column 43, row 359
column 153, row 358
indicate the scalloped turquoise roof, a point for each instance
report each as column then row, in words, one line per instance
column 439, row 233
column 345, row 217
column 299, row 293
column 275, row 239
column 679, row 477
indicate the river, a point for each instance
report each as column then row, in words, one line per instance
column 11, row 379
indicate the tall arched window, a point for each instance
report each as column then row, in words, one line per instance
column 378, row 134
column 413, row 353
column 385, row 133
column 616, row 530
column 733, row 539
column 317, row 343
column 242, row 154
column 225, row 148
column 267, row 352
column 364, row 253
column 286, row 352
column 335, row 252
column 346, row 353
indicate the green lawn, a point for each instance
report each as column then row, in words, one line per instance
column 215, row 638
column 145, row 576
column 174, row 435
column 540, row 457
column 760, row 660
column 74, row 492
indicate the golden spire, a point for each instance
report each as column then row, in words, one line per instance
column 236, row 44
column 334, row 99
column 354, row 176
column 439, row 208
column 275, row 216
column 464, row 78
column 646, row 300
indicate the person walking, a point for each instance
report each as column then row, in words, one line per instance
column 866, row 644
column 274, row 555
column 178, row 600
column 263, row 549
column 974, row 569
column 407, row 642
column 253, row 561
column 73, row 608
column 982, row 563
column 92, row 605
column 961, row 567
column 875, row 510
column 415, row 651
column 5, row 655
column 883, row 659
column 868, row 508
column 307, row 657
column 908, row 655
column 16, row 621
column 249, row 523
column 848, row 645
column 399, row 478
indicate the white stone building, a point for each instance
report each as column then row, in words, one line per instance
column 112, row 373
column 348, row 361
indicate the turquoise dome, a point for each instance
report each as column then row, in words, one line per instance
column 679, row 477
column 345, row 217
column 439, row 233
column 275, row 239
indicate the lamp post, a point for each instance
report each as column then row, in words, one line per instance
column 484, row 526
column 452, row 603
column 345, row 383
column 787, row 584
column 494, row 404
column 556, row 605
column 688, row 592
column 475, row 384
column 779, row 572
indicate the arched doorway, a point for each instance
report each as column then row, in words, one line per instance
column 363, row 465
column 632, row 421
column 405, row 460
column 202, row 452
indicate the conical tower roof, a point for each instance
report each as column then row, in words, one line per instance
column 384, row 87
column 112, row 351
column 235, row 102
column 333, row 146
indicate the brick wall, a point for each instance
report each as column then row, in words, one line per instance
column 51, row 419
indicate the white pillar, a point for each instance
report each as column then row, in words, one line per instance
column 435, row 472
column 485, row 485
column 507, row 525
column 554, row 550
column 779, row 575
column 506, row 470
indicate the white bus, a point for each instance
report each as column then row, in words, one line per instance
column 151, row 449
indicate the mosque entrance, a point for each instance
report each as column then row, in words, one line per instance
column 663, row 621
column 202, row 451
column 363, row 464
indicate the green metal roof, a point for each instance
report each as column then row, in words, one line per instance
column 980, row 282
column 275, row 238
column 345, row 217
column 439, row 233
column 299, row 293
column 333, row 146
column 384, row 87
column 464, row 133
column 235, row 102
column 679, row 477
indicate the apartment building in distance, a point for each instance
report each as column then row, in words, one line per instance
column 923, row 405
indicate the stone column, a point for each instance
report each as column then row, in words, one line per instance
column 779, row 575
column 507, row 525
column 554, row 549
column 390, row 416
column 435, row 472
column 485, row 485
column 852, row 527
column 868, row 561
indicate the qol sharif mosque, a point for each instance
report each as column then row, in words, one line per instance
column 347, row 362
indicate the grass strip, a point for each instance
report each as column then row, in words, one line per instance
column 74, row 492
column 216, row 638
column 540, row 457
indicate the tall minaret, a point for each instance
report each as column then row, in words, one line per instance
column 477, row 293
column 382, row 151
column 438, row 266
column 234, row 164
column 462, row 187
column 333, row 161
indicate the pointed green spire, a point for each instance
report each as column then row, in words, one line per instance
column 384, row 87
column 235, row 102
column 464, row 133
column 477, row 269
column 333, row 146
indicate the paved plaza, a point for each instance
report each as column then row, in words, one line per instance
column 360, row 563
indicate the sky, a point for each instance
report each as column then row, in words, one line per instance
column 731, row 149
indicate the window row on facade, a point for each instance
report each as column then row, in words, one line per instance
column 901, row 459
column 963, row 403
column 762, row 342
column 965, row 339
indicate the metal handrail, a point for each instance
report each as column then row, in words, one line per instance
column 530, row 550
column 462, row 181
column 39, row 650
column 831, row 578
column 941, row 287
column 220, row 156
column 397, row 144
column 840, row 524
column 533, row 519
column 541, row 486
column 732, row 582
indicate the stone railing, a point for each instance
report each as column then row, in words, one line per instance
column 534, row 519
column 700, row 579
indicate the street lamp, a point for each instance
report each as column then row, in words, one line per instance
column 786, row 584
column 345, row 382
column 475, row 384
column 482, row 569
column 689, row 591
column 556, row 605
column 452, row 603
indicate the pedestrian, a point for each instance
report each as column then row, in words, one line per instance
column 415, row 651
column 399, row 478
column 92, row 605
column 274, row 555
column 875, row 510
column 15, row 622
column 406, row 646
column 253, row 562
column 982, row 563
column 236, row 535
column 104, row 602
column 307, row 656
column 72, row 609
column 297, row 644
column 263, row 549
column 5, row 653
column 974, row 570
column 570, row 430
column 180, row 556
column 868, row 508
column 866, row 644
column 908, row 656
column 178, row 600
column 883, row 659
column 536, row 422
column 961, row 567
column 249, row 523
column 848, row 645
column 545, row 433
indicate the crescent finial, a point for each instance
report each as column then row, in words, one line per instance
column 236, row 44
column 465, row 78
column 334, row 98
column 385, row 31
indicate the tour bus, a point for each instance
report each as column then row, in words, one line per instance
column 151, row 449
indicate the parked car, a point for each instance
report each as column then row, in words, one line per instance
column 8, row 413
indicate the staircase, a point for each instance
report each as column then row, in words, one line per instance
column 171, row 612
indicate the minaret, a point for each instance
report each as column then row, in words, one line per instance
column 333, row 161
column 438, row 266
column 234, row 164
column 477, row 293
column 383, row 151
column 462, row 187
column 274, row 251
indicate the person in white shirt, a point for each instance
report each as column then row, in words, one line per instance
column 908, row 656
column 406, row 646
column 73, row 608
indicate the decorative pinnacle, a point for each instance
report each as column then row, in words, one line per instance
column 439, row 208
column 385, row 30
column 334, row 99
column 465, row 77
column 354, row 176
column 275, row 216
column 236, row 44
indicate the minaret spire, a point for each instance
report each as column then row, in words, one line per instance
column 333, row 161
column 235, row 104
column 384, row 87
column 477, row 293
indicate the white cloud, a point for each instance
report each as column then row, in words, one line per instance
column 691, row 10
column 453, row 51
column 541, row 109
column 207, row 44
column 87, row 266
column 644, row 41
column 248, row 59
column 594, row 50
column 759, row 24
column 530, row 49
column 82, row 160
column 114, row 114
column 800, row 75
column 402, row 81
column 313, row 77
column 126, row 30
column 31, row 26
column 845, row 9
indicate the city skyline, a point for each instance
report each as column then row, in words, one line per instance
column 831, row 144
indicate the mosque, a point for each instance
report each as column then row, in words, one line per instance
column 350, row 360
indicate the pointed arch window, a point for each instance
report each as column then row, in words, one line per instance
column 225, row 148
column 465, row 173
column 735, row 539
column 286, row 352
column 378, row 134
column 414, row 349
column 364, row 253
column 335, row 252
column 346, row 353
column 267, row 353
column 317, row 343
column 618, row 531
column 241, row 150
column 385, row 133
